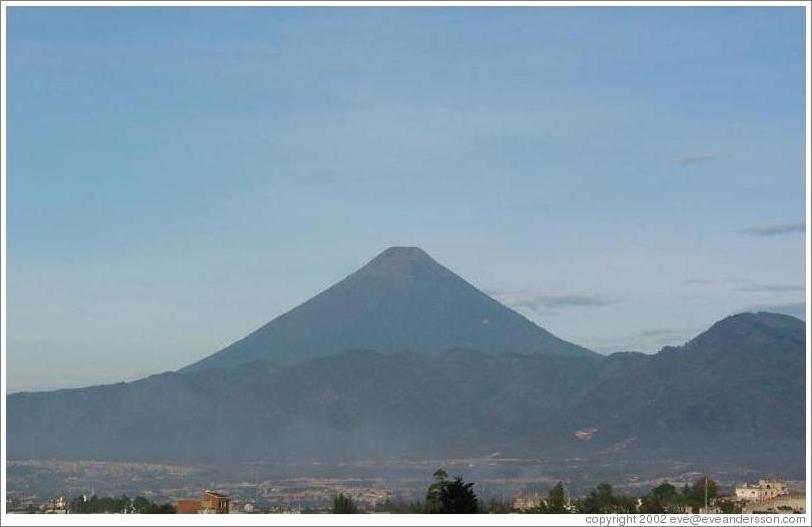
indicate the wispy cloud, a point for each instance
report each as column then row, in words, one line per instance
column 769, row 288
column 775, row 230
column 697, row 159
column 535, row 300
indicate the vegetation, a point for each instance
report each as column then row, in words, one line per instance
column 445, row 496
column 433, row 503
column 602, row 500
column 664, row 498
column 455, row 496
column 343, row 504
column 556, row 502
column 703, row 490
column 122, row 505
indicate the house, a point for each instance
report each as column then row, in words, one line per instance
column 523, row 503
column 765, row 489
column 187, row 506
column 56, row 506
column 214, row 503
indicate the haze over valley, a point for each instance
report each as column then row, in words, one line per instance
column 404, row 360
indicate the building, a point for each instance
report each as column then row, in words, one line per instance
column 56, row 506
column 187, row 506
column 765, row 489
column 523, row 503
column 214, row 503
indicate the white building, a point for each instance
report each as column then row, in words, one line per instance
column 766, row 489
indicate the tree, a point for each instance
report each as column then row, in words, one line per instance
column 556, row 502
column 603, row 501
column 664, row 498
column 458, row 497
column 344, row 505
column 166, row 508
column 433, row 494
column 599, row 500
column 695, row 495
column 450, row 497
column 139, row 505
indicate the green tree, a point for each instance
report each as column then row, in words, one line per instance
column 343, row 504
column 603, row 501
column 664, row 498
column 599, row 500
column 105, row 505
column 626, row 504
column 141, row 505
column 458, row 497
column 695, row 495
column 434, row 502
column 445, row 496
column 555, row 503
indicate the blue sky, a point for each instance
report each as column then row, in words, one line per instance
column 177, row 177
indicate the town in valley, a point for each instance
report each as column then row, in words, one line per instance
column 501, row 485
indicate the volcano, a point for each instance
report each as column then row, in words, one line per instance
column 403, row 359
column 401, row 300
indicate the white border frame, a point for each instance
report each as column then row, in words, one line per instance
column 392, row 519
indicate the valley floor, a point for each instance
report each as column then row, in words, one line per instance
column 287, row 487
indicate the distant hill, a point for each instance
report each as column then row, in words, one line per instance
column 401, row 300
column 735, row 393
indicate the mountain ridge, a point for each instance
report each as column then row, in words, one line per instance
column 395, row 361
column 695, row 405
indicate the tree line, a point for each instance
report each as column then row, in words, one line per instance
column 664, row 498
column 455, row 496
column 122, row 505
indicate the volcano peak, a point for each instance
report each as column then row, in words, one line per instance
column 401, row 261
column 401, row 299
